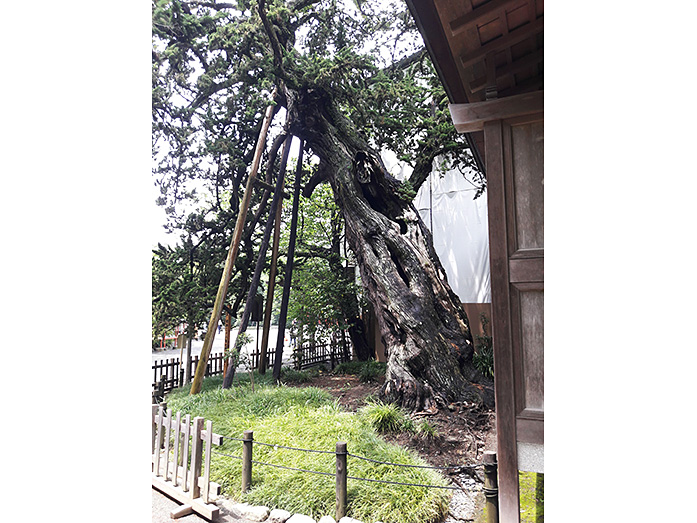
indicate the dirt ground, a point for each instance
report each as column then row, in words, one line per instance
column 464, row 430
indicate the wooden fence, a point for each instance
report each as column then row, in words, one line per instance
column 320, row 354
column 168, row 374
column 180, row 477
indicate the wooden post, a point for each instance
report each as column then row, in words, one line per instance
column 247, row 460
column 196, row 456
column 341, row 473
column 168, row 430
column 232, row 254
column 160, row 416
column 177, row 436
column 207, row 466
column 270, row 290
column 491, row 490
column 289, row 267
column 154, row 426
column 185, row 457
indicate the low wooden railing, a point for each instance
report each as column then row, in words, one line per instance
column 178, row 458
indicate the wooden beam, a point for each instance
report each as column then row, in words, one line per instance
column 512, row 38
column 486, row 12
column 471, row 117
column 528, row 60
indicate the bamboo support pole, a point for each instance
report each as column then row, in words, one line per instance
column 232, row 254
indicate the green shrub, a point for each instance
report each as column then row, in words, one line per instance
column 426, row 429
column 289, row 375
column 371, row 370
column 386, row 417
column 349, row 367
column 483, row 358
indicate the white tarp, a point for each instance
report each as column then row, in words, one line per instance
column 459, row 226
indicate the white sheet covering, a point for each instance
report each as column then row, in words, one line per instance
column 460, row 229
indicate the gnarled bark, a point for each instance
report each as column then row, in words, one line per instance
column 422, row 322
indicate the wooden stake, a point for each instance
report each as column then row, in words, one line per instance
column 289, row 268
column 232, row 255
column 256, row 277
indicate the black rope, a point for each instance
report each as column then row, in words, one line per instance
column 412, row 466
column 294, row 448
column 227, row 455
column 280, row 446
column 406, row 484
column 292, row 468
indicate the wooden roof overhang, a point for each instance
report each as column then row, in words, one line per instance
column 484, row 50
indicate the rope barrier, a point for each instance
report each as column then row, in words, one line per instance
column 400, row 483
column 412, row 466
column 276, row 446
column 294, row 448
column 293, row 468
column 227, row 455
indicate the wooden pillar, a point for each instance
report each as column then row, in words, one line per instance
column 232, row 254
column 289, row 268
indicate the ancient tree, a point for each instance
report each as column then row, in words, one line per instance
column 353, row 82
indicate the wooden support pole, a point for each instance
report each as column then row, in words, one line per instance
column 256, row 277
column 289, row 268
column 341, row 477
column 232, row 255
column 270, row 290
column 491, row 489
column 196, row 456
column 247, row 460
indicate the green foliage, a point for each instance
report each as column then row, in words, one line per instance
column 308, row 418
column 426, row 429
column 366, row 371
column 323, row 298
column 483, row 358
column 386, row 417
column 289, row 375
column 371, row 370
column 183, row 279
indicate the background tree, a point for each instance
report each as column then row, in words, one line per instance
column 325, row 296
column 352, row 81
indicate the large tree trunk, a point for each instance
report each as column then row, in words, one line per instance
column 423, row 324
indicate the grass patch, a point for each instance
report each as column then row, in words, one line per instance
column 386, row 417
column 366, row 371
column 309, row 418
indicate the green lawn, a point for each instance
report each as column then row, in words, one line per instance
column 310, row 419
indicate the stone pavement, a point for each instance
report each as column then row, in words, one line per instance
column 162, row 505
